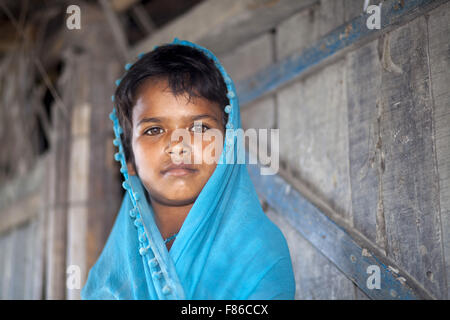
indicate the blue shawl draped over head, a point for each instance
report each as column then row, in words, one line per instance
column 227, row 248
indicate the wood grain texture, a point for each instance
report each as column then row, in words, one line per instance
column 104, row 189
column 222, row 25
column 363, row 90
column 312, row 118
column 315, row 276
column 21, row 239
column 331, row 15
column 20, row 269
column 79, row 169
column 439, row 53
column 19, row 260
column 20, row 196
column 7, row 249
column 242, row 62
column 3, row 249
column 305, row 23
column 94, row 180
column 354, row 8
column 346, row 249
column 35, row 269
column 58, row 188
column 330, row 47
column 410, row 178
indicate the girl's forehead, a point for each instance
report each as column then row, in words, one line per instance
column 170, row 105
column 158, row 101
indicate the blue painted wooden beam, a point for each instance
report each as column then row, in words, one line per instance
column 333, row 241
column 393, row 12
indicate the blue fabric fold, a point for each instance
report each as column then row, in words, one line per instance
column 227, row 248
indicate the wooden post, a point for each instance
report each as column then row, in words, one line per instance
column 83, row 218
column 57, row 214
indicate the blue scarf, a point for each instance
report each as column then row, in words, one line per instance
column 227, row 248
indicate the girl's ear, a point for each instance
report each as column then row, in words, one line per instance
column 130, row 169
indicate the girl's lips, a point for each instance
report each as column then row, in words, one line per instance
column 178, row 172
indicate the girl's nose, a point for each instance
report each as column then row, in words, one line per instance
column 179, row 148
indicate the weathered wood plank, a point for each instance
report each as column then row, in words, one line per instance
column 19, row 261
column 7, row 257
column 30, row 257
column 20, row 213
column 77, row 246
column 313, row 135
column 38, row 275
column 315, row 276
column 288, row 41
column 363, row 89
column 105, row 192
column 117, row 29
column 242, row 62
column 222, row 25
column 83, row 211
column 3, row 260
column 354, row 8
column 409, row 174
column 338, row 245
column 18, row 270
column 57, row 223
column 25, row 189
column 439, row 50
column 304, row 28
column 79, row 185
column 331, row 15
column 330, row 47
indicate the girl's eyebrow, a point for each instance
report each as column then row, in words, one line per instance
column 161, row 119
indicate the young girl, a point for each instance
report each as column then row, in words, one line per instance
column 185, row 230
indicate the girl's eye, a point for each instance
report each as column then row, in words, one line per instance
column 153, row 131
column 200, row 128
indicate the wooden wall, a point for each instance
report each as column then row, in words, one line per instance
column 366, row 132
column 22, row 235
column 68, row 206
column 87, row 182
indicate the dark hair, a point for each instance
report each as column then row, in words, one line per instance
column 187, row 71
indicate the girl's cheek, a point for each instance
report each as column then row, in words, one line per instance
column 146, row 155
column 212, row 151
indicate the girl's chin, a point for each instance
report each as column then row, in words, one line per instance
column 181, row 195
column 174, row 197
column 176, row 202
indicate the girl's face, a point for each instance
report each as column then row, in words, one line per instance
column 156, row 115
